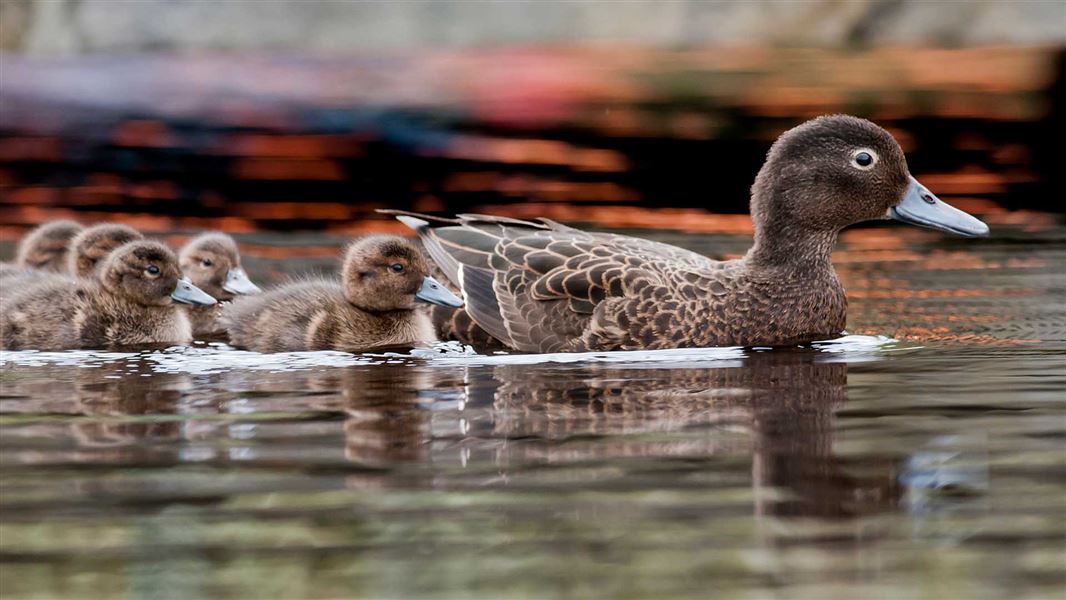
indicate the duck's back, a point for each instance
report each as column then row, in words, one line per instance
column 545, row 287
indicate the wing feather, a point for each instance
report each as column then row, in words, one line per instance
column 536, row 285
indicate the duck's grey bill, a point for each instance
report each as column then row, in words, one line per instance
column 435, row 293
column 920, row 207
column 187, row 293
column 237, row 282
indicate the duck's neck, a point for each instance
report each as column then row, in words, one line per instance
column 783, row 247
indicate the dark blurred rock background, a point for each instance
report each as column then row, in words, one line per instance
column 249, row 116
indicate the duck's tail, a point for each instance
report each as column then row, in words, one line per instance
column 416, row 220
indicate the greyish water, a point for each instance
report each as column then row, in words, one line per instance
column 922, row 457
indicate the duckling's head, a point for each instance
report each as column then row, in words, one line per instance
column 147, row 273
column 46, row 246
column 212, row 263
column 94, row 243
column 838, row 170
column 387, row 273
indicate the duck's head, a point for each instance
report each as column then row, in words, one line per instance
column 147, row 273
column 93, row 244
column 386, row 273
column 212, row 263
column 46, row 246
column 838, row 170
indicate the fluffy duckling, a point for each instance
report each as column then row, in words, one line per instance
column 130, row 302
column 46, row 247
column 92, row 244
column 212, row 263
column 373, row 306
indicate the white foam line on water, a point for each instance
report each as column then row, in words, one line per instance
column 219, row 358
column 439, row 356
column 848, row 348
column 74, row 358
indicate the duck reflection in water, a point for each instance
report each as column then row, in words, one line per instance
column 765, row 422
column 777, row 407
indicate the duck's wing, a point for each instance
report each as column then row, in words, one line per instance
column 534, row 285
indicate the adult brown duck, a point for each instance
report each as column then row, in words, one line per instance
column 545, row 287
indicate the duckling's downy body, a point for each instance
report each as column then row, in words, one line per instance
column 546, row 287
column 372, row 306
column 212, row 263
column 131, row 302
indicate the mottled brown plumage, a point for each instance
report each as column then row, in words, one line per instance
column 90, row 246
column 372, row 306
column 212, row 263
column 129, row 303
column 46, row 247
column 545, row 287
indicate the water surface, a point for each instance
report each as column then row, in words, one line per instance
column 921, row 457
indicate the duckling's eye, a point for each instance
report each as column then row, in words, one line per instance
column 396, row 267
column 864, row 159
column 152, row 270
column 207, row 262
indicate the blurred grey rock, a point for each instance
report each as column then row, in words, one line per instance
column 64, row 27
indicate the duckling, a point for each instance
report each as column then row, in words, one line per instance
column 47, row 246
column 545, row 287
column 373, row 305
column 130, row 302
column 92, row 244
column 212, row 263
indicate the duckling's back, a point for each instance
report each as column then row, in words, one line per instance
column 40, row 313
column 315, row 315
column 58, row 312
column 278, row 320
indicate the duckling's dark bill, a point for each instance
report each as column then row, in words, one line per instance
column 187, row 293
column 435, row 293
column 237, row 282
column 920, row 207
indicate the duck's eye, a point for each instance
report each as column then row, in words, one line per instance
column 396, row 267
column 152, row 270
column 207, row 262
column 864, row 159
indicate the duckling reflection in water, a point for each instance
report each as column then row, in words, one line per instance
column 133, row 301
column 374, row 305
column 212, row 263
